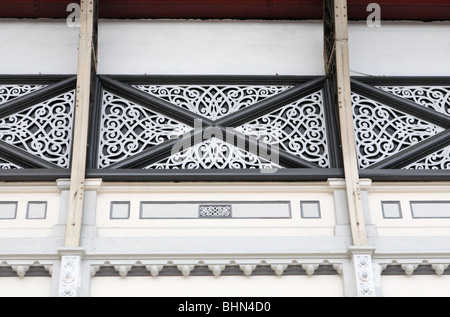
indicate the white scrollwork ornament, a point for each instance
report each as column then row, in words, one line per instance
column 212, row 101
column 298, row 128
column 11, row 92
column 382, row 131
column 44, row 130
column 214, row 154
column 439, row 160
column 433, row 97
column 128, row 129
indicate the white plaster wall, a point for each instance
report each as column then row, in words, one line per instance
column 211, row 47
column 226, row 286
column 215, row 192
column 38, row 47
column 416, row 286
column 22, row 194
column 25, row 287
column 224, row 47
column 404, row 193
column 400, row 49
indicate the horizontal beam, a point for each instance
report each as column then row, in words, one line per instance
column 404, row 80
column 31, row 175
column 290, row 175
column 401, row 175
column 211, row 79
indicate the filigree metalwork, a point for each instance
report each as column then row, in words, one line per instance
column 127, row 129
column 432, row 97
column 382, row 131
column 10, row 92
column 6, row 165
column 298, row 128
column 44, row 130
column 439, row 160
column 213, row 101
column 215, row 211
column 214, row 154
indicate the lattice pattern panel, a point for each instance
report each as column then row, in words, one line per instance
column 44, row 130
column 147, row 124
column 298, row 128
column 11, row 92
column 213, row 102
column 214, row 154
column 432, row 97
column 128, row 129
column 439, row 160
column 382, row 131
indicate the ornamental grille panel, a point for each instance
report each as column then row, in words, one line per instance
column 127, row 129
column 44, row 130
column 143, row 125
column 402, row 126
column 10, row 92
column 213, row 101
column 220, row 128
column 439, row 160
column 298, row 128
column 36, row 123
column 214, row 154
column 382, row 131
column 433, row 97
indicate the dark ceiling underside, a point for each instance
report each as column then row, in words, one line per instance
column 228, row 9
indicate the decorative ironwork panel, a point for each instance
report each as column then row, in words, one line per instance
column 298, row 128
column 382, row 131
column 214, row 154
column 215, row 211
column 228, row 126
column 128, row 129
column 439, row 160
column 213, row 102
column 10, row 92
column 6, row 165
column 44, row 130
column 432, row 97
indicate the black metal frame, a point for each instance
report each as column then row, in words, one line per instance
column 390, row 169
column 35, row 168
column 297, row 169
